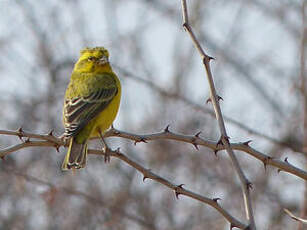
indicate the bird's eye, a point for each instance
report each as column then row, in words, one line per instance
column 91, row 58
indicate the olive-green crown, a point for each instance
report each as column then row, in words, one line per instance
column 99, row 49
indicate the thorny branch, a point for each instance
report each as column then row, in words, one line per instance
column 52, row 141
column 196, row 141
column 49, row 140
column 178, row 189
column 301, row 220
column 245, row 184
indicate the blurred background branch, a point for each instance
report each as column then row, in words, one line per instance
column 303, row 90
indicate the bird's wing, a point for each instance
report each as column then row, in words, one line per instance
column 80, row 110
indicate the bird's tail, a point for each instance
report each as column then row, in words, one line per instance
column 76, row 155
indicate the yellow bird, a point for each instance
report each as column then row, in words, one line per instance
column 91, row 103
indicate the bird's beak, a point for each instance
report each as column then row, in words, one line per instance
column 103, row 60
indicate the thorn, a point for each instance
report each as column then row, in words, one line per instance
column 166, row 130
column 227, row 138
column 219, row 98
column 144, row 176
column 264, row 165
column 265, row 162
column 249, row 185
column 286, row 160
column 216, row 199
column 57, row 148
column 197, row 134
column 20, row 133
column 50, row 133
column 176, row 190
column 193, row 142
column 185, row 26
column 177, row 194
column 195, row 145
column 181, row 186
column 207, row 59
column 219, row 142
column 247, row 142
column 107, row 156
column 210, row 58
column 20, row 130
column 142, row 139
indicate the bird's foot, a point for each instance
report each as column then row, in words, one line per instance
column 107, row 155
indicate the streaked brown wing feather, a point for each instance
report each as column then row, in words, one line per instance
column 79, row 111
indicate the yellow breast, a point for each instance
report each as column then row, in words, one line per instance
column 105, row 119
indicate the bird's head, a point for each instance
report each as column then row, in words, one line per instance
column 93, row 60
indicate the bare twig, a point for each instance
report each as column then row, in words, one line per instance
column 303, row 213
column 303, row 221
column 245, row 184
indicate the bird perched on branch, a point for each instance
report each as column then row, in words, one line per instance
column 91, row 104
